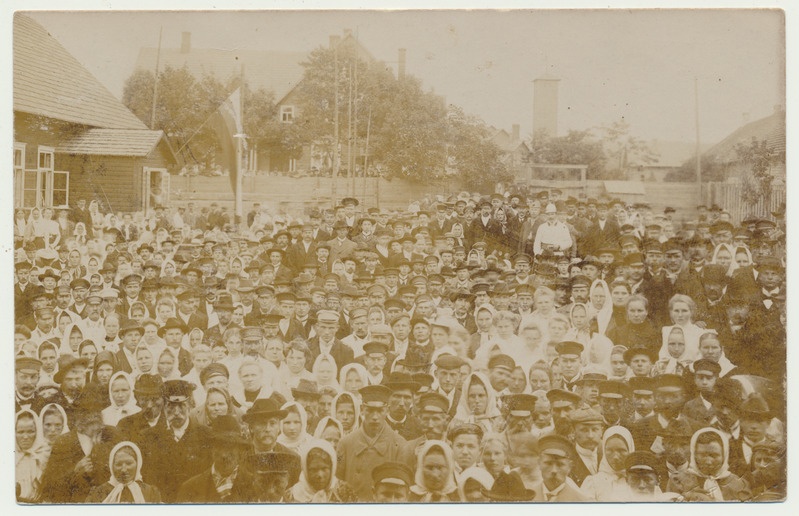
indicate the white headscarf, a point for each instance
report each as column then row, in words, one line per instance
column 302, row 490
column 730, row 249
column 114, row 413
column 326, row 422
column 295, row 444
column 356, row 408
column 462, row 412
column 60, row 410
column 333, row 384
column 420, row 488
column 603, row 314
column 66, row 349
column 29, row 464
column 711, row 484
column 135, row 489
column 358, row 368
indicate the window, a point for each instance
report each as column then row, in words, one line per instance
column 287, row 114
column 46, row 159
column 19, row 174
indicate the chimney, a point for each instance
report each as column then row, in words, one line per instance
column 745, row 117
column 334, row 41
column 545, row 105
column 401, row 64
column 185, row 43
column 515, row 133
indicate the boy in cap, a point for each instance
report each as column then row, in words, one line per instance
column 669, row 401
column 700, row 409
column 149, row 397
column 372, row 443
column 391, row 482
column 569, row 359
column 588, row 427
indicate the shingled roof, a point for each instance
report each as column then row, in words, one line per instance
column 770, row 128
column 112, row 142
column 49, row 81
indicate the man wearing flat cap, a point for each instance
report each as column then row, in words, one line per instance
column 79, row 459
column 149, row 397
column 401, row 417
column 26, row 378
column 373, row 443
column 569, row 359
column 172, row 454
column 448, row 378
column 432, row 409
column 669, row 401
column 220, row 483
column 588, row 426
column 556, row 457
column 327, row 324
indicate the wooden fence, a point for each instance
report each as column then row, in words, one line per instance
column 729, row 197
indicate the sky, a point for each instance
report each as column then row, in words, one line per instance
column 639, row 66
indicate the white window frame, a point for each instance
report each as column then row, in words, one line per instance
column 146, row 181
column 287, row 114
column 19, row 174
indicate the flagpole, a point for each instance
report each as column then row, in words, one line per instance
column 155, row 83
column 239, row 207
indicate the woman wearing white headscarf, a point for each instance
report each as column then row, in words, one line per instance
column 610, row 480
column 53, row 419
column 600, row 305
column 352, row 377
column 123, row 403
column 293, row 434
column 338, row 407
column 708, row 478
column 125, row 484
column 478, row 404
column 329, row 429
column 318, row 482
column 29, row 461
column 324, row 372
column 435, row 474
column 74, row 334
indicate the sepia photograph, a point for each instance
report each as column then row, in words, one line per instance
column 412, row 256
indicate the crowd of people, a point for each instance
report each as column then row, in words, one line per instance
column 513, row 347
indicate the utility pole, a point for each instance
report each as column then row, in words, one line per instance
column 155, row 83
column 336, row 160
column 698, row 148
column 239, row 148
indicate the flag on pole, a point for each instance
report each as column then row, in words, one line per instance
column 228, row 127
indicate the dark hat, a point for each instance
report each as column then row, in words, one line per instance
column 769, row 263
column 562, row 398
column 224, row 302
column 273, row 462
column 130, row 278
column 703, row 364
column 585, row 415
column 105, row 357
column 424, row 380
column 755, row 407
column 306, row 388
column 520, row 405
column 554, row 444
column 503, row 361
column 670, row 382
column 398, row 381
column 374, row 395
column 634, row 259
column 375, row 347
column 613, row 389
column 569, row 347
column 630, row 353
column 349, row 201
column 395, row 473
column 79, row 283
column 67, row 363
column 23, row 363
column 263, row 409
column 213, row 369
column 714, row 274
column 643, row 385
column 677, row 429
column 177, row 391
column 433, row 402
column 728, row 392
column 225, row 430
column 643, row 460
column 49, row 273
column 129, row 326
column 580, row 279
column 448, row 362
column 151, row 384
column 592, row 377
column 171, row 323
column 509, row 487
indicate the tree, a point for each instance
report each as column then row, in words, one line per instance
column 758, row 160
column 575, row 148
column 623, row 150
column 476, row 159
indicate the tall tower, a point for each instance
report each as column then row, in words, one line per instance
column 545, row 105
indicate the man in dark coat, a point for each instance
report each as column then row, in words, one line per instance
column 400, row 415
column 172, row 454
column 149, row 398
column 218, row 484
column 327, row 324
column 79, row 459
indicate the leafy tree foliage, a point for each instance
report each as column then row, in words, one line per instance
column 574, row 148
